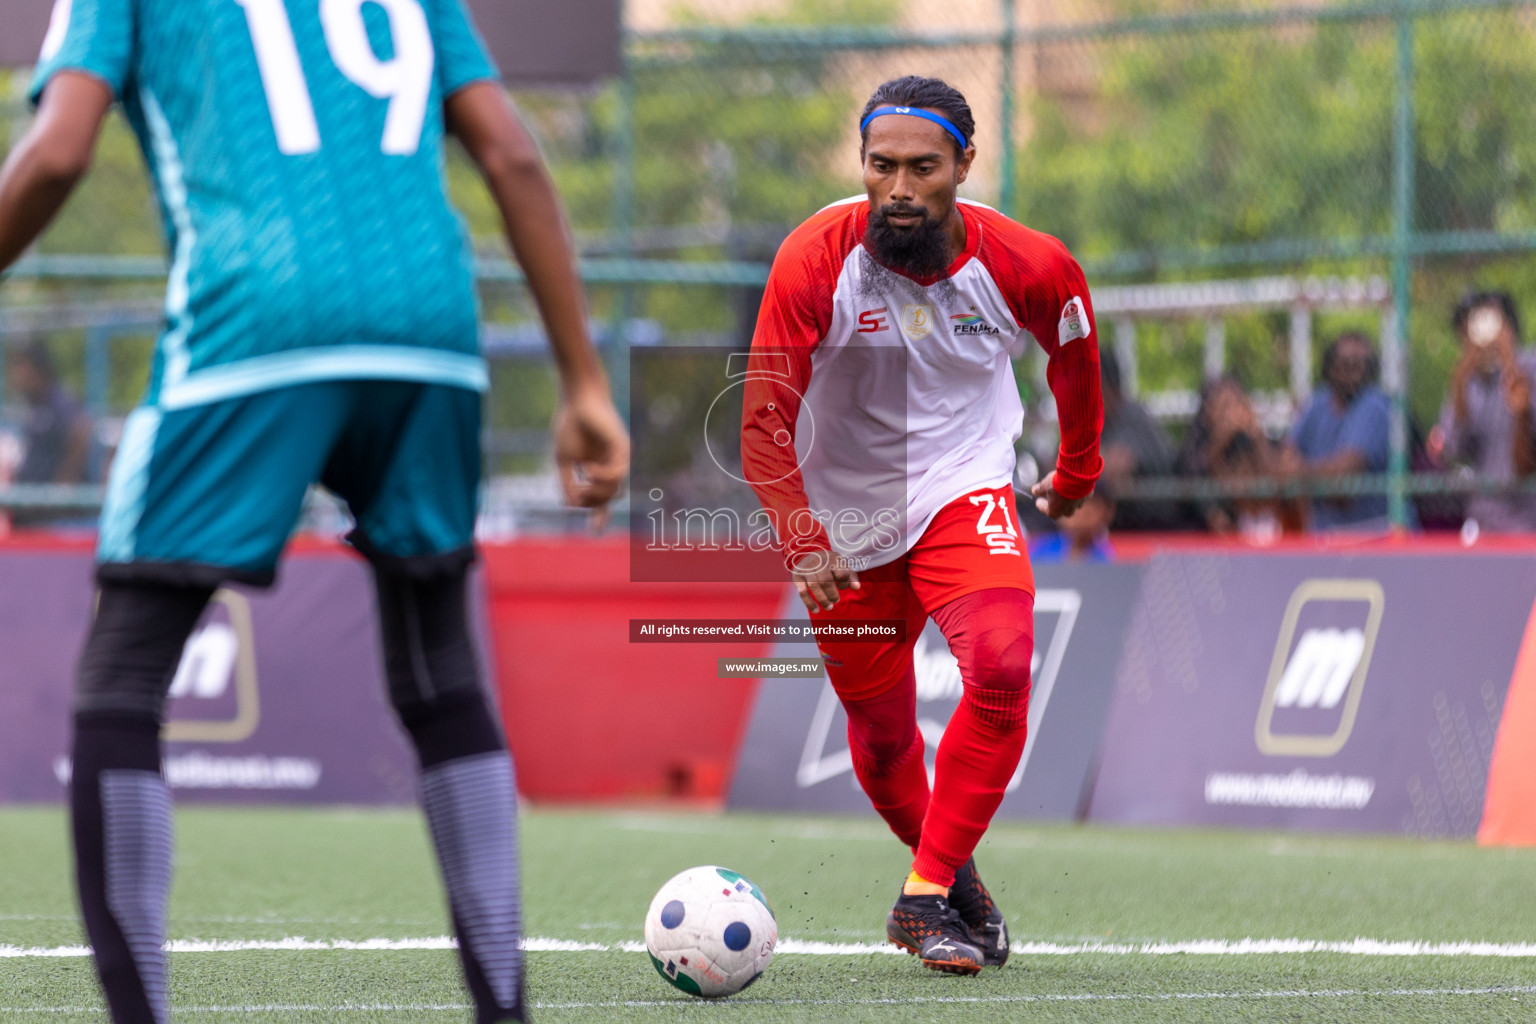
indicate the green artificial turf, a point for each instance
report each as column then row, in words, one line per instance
column 245, row 875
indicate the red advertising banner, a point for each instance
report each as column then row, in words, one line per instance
column 592, row 716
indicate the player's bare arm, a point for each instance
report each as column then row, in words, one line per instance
column 591, row 444
column 43, row 169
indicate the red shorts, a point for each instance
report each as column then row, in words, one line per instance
column 974, row 543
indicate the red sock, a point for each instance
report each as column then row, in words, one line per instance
column 887, row 754
column 991, row 633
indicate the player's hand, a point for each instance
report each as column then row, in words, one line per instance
column 591, row 451
column 819, row 576
column 1051, row 503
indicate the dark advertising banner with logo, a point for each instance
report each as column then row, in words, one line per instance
column 278, row 696
column 796, row 752
column 1334, row 693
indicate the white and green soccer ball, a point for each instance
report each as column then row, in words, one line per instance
column 710, row 932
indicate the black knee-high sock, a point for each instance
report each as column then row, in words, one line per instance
column 467, row 787
column 121, row 813
column 470, row 799
column 119, row 804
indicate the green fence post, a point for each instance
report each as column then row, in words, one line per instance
column 1006, row 198
column 98, row 370
column 1402, row 263
column 624, row 188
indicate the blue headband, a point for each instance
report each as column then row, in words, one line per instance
column 926, row 115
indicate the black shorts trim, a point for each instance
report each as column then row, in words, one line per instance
column 181, row 574
column 415, row 567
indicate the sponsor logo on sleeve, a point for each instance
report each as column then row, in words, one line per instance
column 1073, row 322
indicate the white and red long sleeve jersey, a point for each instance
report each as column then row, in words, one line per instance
column 874, row 399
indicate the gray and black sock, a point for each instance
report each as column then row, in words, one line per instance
column 470, row 798
column 120, row 808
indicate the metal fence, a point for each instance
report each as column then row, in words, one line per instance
column 1166, row 142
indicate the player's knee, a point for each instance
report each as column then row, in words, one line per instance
column 431, row 667
column 133, row 648
column 1000, row 659
column 424, row 627
column 997, row 678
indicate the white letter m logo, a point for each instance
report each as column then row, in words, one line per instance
column 1325, row 670
column 1320, row 669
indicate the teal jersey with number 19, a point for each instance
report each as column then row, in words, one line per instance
column 297, row 150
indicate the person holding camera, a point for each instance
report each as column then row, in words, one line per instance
column 1486, row 422
column 1226, row 442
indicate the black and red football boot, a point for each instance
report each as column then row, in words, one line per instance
column 978, row 910
column 930, row 928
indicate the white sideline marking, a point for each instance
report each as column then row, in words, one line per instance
column 683, row 1003
column 299, row 944
column 800, row 947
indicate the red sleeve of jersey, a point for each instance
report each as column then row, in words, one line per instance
column 1048, row 295
column 795, row 316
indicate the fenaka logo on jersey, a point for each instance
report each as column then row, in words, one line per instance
column 917, row 322
column 1073, row 322
column 1316, row 678
column 219, row 657
column 971, row 323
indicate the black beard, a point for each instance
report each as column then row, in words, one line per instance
column 919, row 251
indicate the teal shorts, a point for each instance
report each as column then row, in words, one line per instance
column 210, row 494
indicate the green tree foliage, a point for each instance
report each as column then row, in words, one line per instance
column 1284, row 133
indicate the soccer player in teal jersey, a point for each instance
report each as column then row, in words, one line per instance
column 321, row 325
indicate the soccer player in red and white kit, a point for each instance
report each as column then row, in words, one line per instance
column 877, row 431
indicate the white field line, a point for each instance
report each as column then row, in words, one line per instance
column 679, row 1002
column 794, row 947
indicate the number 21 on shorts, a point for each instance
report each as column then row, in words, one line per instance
column 405, row 79
column 1002, row 538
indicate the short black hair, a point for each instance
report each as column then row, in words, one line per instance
column 1476, row 300
column 1372, row 362
column 926, row 94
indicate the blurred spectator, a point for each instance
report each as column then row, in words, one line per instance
column 1225, row 442
column 1345, row 429
column 1134, row 445
column 1081, row 537
column 57, row 436
column 1487, row 419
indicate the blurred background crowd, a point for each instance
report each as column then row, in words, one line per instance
column 1343, row 430
column 1309, row 231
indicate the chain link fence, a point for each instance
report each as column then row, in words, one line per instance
column 1164, row 142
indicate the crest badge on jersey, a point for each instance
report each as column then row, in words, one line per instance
column 917, row 322
column 1073, row 322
